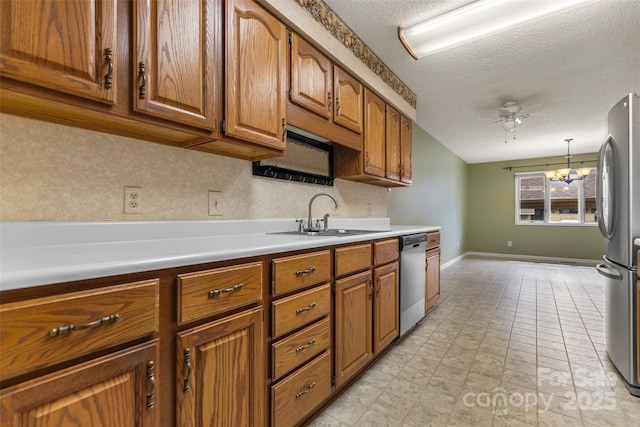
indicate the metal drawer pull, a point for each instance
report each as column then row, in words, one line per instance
column 217, row 292
column 306, row 271
column 303, row 392
column 187, row 369
column 307, row 308
column 151, row 376
column 302, row 347
column 108, row 79
column 67, row 329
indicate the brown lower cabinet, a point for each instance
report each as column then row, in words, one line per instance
column 220, row 373
column 119, row 389
column 261, row 341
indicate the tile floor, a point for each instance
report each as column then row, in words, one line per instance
column 511, row 343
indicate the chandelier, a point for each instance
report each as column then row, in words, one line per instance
column 567, row 174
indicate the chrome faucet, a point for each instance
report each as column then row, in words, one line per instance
column 309, row 226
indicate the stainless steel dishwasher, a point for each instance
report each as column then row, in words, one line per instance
column 412, row 280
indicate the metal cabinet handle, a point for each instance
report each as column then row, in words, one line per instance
column 142, row 73
column 329, row 106
column 307, row 308
column 214, row 293
column 305, row 391
column 187, row 370
column 608, row 272
column 284, row 129
column 67, row 329
column 338, row 106
column 305, row 271
column 370, row 289
column 378, row 284
column 302, row 347
column 108, row 78
column 151, row 378
column 366, row 158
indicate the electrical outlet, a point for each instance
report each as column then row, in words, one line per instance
column 216, row 203
column 133, row 200
column 509, row 243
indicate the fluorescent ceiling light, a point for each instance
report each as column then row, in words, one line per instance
column 476, row 20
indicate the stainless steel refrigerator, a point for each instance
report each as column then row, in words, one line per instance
column 618, row 209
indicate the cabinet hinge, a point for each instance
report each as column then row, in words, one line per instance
column 289, row 37
column 333, row 381
column 290, row 97
column 223, row 126
column 333, row 289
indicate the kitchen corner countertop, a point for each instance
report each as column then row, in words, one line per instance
column 42, row 253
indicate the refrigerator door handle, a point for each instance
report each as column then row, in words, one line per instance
column 605, row 229
column 608, row 272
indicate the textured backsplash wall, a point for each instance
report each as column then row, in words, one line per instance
column 50, row 172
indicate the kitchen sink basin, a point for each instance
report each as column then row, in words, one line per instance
column 333, row 232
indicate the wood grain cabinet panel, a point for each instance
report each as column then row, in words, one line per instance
column 120, row 389
column 392, row 129
column 67, row 46
column 176, row 60
column 406, row 143
column 221, row 373
column 256, row 74
column 433, row 278
column 385, row 251
column 386, row 326
column 205, row 293
column 298, row 394
column 293, row 312
column 353, row 325
column 374, row 135
column 298, row 271
column 40, row 332
column 311, row 78
column 348, row 100
column 296, row 349
column 352, row 258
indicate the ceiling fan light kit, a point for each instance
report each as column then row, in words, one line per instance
column 568, row 175
column 474, row 21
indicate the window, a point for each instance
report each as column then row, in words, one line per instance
column 540, row 201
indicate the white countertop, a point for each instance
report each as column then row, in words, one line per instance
column 42, row 253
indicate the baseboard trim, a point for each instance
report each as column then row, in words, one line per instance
column 534, row 258
column 452, row 261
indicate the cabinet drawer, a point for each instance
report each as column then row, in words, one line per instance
column 295, row 396
column 433, row 239
column 45, row 331
column 298, row 310
column 352, row 258
column 205, row 293
column 298, row 348
column 298, row 271
column 385, row 251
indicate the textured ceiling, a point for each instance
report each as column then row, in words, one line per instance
column 566, row 70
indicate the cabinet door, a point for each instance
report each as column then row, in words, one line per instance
column 116, row 390
column 311, row 78
column 433, row 278
column 256, row 75
column 353, row 325
column 392, row 143
column 406, row 129
column 386, row 326
column 176, row 57
column 220, row 369
column 374, row 135
column 348, row 100
column 67, row 46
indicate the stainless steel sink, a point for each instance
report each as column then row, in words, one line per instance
column 333, row 232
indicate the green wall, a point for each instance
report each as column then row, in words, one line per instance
column 475, row 206
column 437, row 196
column 490, row 216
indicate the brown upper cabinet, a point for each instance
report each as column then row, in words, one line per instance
column 177, row 47
column 323, row 99
column 386, row 156
column 66, row 46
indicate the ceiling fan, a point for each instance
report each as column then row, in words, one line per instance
column 510, row 116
